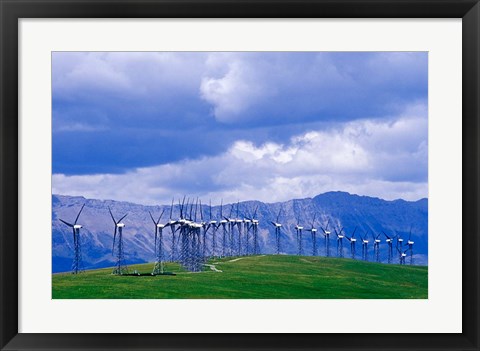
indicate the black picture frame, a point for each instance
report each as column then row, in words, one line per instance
column 11, row 11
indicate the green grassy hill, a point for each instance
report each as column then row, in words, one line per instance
column 253, row 277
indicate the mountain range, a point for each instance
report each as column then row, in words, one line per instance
column 340, row 209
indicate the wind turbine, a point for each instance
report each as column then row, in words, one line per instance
column 239, row 224
column 277, row 226
column 410, row 245
column 172, row 223
column 77, row 250
column 255, row 223
column 327, row 233
column 353, row 241
column 402, row 255
column 213, row 223
column 120, row 266
column 299, row 229
column 399, row 240
column 205, row 226
column 231, row 225
column 158, row 266
column 340, row 237
column 364, row 246
column 313, row 231
column 389, row 242
column 376, row 246
column 223, row 222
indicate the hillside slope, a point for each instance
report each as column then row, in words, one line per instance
column 259, row 277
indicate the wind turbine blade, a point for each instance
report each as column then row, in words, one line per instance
column 152, row 218
column 78, row 215
column 255, row 212
column 114, row 236
column 410, row 235
column 354, row 231
column 314, row 217
column 328, row 222
column 74, row 237
column 122, row 218
column 221, row 209
column 161, row 214
column 385, row 235
column 196, row 205
column 273, row 223
column 210, row 209
column 70, row 225
column 171, row 208
column 113, row 218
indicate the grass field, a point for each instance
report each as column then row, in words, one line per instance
column 253, row 277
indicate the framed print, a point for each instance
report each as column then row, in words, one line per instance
column 268, row 175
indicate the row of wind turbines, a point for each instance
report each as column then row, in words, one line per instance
column 194, row 238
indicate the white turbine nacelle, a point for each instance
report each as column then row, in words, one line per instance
column 255, row 221
column 327, row 232
column 410, row 242
column 400, row 240
column 195, row 225
column 238, row 221
column 388, row 240
column 172, row 222
column 313, row 230
column 247, row 221
column 120, row 225
column 160, row 226
column 377, row 241
column 223, row 221
column 341, row 236
column 212, row 222
column 365, row 241
column 277, row 225
column 77, row 226
column 404, row 254
column 353, row 240
column 298, row 227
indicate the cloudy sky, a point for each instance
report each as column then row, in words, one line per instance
column 272, row 126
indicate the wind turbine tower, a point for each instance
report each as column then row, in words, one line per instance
column 255, row 223
column 77, row 265
column 376, row 246
column 277, row 226
column 172, row 224
column 117, row 251
column 299, row 229
column 159, row 256
column 313, row 231
column 340, row 237
column 223, row 222
column 410, row 245
column 213, row 223
column 327, row 233
column 239, row 224
column 389, row 242
column 402, row 255
column 364, row 247
column 353, row 242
